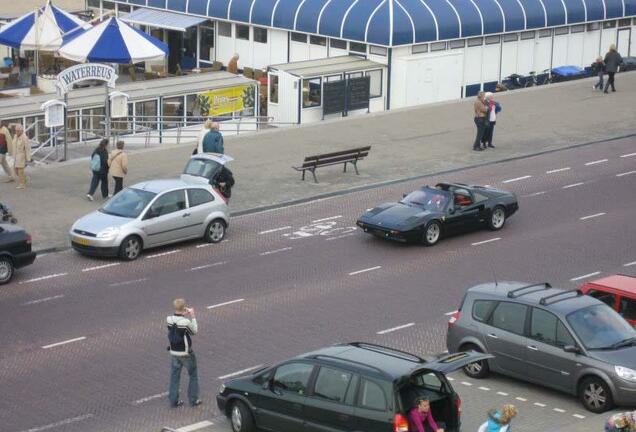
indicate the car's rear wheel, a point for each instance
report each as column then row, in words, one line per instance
column 497, row 218
column 130, row 248
column 215, row 232
column 432, row 233
column 478, row 369
column 241, row 418
column 6, row 270
column 595, row 395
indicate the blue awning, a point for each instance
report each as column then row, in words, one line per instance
column 162, row 19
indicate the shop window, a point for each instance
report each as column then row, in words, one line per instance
column 593, row 26
column 457, row 43
column 491, row 40
column 107, row 5
column 225, row 29
column 358, row 47
column 260, row 35
column 561, row 31
column 438, row 46
column 331, row 78
column 527, row 35
column 624, row 22
column 206, row 43
column 172, row 112
column 338, row 43
column 375, row 83
column 298, row 37
column 311, row 92
column 419, row 48
column 92, row 123
column 355, row 75
column 477, row 41
column 577, row 28
column 196, row 109
column 242, row 32
column 318, row 40
column 377, row 50
column 609, row 24
column 146, row 114
column 511, row 37
column 273, row 88
column 545, row 33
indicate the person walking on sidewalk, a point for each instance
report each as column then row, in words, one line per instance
column 118, row 166
column 99, row 168
column 6, row 149
column 22, row 155
column 480, row 119
column 612, row 60
column 491, row 120
column 213, row 140
column 207, row 126
column 598, row 69
column 181, row 326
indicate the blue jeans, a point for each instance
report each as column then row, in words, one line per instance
column 99, row 178
column 178, row 363
column 599, row 84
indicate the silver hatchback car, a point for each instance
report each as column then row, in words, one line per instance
column 151, row 214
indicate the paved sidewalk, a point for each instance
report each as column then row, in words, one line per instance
column 405, row 143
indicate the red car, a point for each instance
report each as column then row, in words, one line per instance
column 618, row 292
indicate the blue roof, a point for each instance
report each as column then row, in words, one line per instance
column 401, row 22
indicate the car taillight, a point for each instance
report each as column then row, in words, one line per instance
column 458, row 406
column 29, row 239
column 454, row 317
column 400, row 423
column 221, row 195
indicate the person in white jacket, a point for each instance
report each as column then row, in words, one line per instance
column 207, row 126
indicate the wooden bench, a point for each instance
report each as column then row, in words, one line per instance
column 311, row 163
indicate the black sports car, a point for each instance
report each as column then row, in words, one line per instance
column 428, row 213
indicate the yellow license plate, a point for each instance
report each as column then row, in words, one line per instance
column 82, row 241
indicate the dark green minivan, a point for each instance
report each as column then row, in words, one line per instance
column 347, row 387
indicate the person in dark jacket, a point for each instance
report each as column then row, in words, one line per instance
column 598, row 69
column 100, row 175
column 224, row 180
column 213, row 140
column 612, row 60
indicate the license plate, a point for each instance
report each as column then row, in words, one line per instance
column 82, row 241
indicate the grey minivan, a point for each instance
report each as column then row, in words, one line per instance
column 552, row 337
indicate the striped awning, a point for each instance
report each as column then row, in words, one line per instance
column 162, row 19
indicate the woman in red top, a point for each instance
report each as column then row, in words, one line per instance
column 421, row 418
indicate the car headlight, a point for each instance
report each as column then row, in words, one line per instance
column 108, row 232
column 221, row 388
column 625, row 373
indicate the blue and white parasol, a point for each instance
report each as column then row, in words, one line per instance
column 114, row 41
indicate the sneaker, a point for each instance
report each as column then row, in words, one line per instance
column 178, row 404
column 196, row 402
column 478, row 149
column 491, row 146
column 605, row 92
column 90, row 197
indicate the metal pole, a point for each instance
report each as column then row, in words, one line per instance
column 107, row 113
column 65, row 126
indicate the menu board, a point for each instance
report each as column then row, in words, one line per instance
column 358, row 97
column 333, row 97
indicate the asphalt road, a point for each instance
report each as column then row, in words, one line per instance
column 83, row 340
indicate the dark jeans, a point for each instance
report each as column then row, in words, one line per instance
column 178, row 363
column 119, row 184
column 487, row 138
column 480, row 122
column 599, row 84
column 99, row 177
column 610, row 81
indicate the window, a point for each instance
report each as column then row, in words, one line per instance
column 172, row 111
column 375, row 85
column 331, row 78
column 577, row 28
column 477, row 41
column 225, row 29
column 593, row 26
column 527, row 35
column 491, row 40
column 479, row 197
column 332, row 384
column 128, row 203
column 260, row 35
column 457, row 43
column 242, row 32
column 146, row 114
column 543, row 326
column 293, row 377
column 482, row 309
column 199, row 196
column 563, row 336
column 609, row 24
column 599, row 326
column 607, row 298
column 627, row 308
column 419, row 48
column 311, row 92
column 350, row 399
column 338, row 43
column 545, row 33
column 626, row 22
column 377, row 50
column 438, row 46
column 318, row 40
column 561, row 31
column 299, row 37
column 509, row 317
column 206, row 43
column 511, row 37
column 429, row 381
column 273, row 88
column 358, row 47
column 167, row 203
column 372, row 396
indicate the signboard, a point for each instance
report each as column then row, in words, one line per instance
column 333, row 97
column 226, row 100
column 53, row 113
column 85, row 72
column 358, row 97
column 118, row 104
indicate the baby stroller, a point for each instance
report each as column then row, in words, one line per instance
column 6, row 215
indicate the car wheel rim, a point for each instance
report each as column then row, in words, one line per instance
column 132, row 248
column 217, row 230
column 474, row 368
column 498, row 218
column 432, row 233
column 5, row 270
column 595, row 395
column 237, row 420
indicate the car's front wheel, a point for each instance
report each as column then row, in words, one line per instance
column 215, row 232
column 497, row 218
column 6, row 270
column 432, row 233
column 478, row 369
column 595, row 395
column 241, row 418
column 130, row 248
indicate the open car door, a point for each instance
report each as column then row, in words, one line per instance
column 201, row 168
column 447, row 363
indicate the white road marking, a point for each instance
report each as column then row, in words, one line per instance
column 521, row 399
column 450, row 313
column 573, row 185
column 275, row 251
column 585, row 276
column 592, row 216
column 539, row 404
column 392, row 329
column 241, row 372
column 485, row 241
column 100, row 267
column 341, row 236
column 59, row 423
column 557, row 170
column 326, row 219
column 516, row 179
column 149, row 398
column 164, row 253
column 629, row 264
column 364, row 270
column 195, row 426
column 596, row 162
column 559, row 410
column 42, row 300
column 369, row 209
column 128, row 282
column 64, row 342
column 502, row 393
column 466, row 383
column 484, row 388
column 628, row 155
column 225, row 303
column 208, row 265
column 625, row 173
column 578, row 416
column 538, row 193
column 275, row 230
column 41, row 278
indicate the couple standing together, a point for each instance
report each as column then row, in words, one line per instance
column 486, row 110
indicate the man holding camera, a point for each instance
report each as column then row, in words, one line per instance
column 181, row 326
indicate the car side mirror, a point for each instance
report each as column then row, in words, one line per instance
column 572, row 349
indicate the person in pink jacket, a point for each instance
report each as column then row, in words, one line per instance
column 421, row 418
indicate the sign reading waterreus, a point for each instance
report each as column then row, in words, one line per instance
column 84, row 72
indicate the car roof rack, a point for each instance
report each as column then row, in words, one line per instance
column 381, row 349
column 537, row 287
column 554, row 298
column 353, row 362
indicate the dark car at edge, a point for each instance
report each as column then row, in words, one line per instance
column 15, row 251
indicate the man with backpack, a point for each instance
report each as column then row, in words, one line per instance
column 181, row 326
column 5, row 150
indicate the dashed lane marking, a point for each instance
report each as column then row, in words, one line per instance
column 573, row 185
column 241, row 372
column 484, row 388
column 485, row 241
column 341, row 236
column 42, row 300
column 629, row 264
column 539, row 404
column 163, row 254
column 592, row 216
column 578, row 416
column 56, row 344
column 149, row 398
column 450, row 313
column 100, row 267
column 41, row 278
column 195, row 426
column 392, row 329
column 625, row 173
column 557, row 170
column 275, row 251
column 559, row 410
column 275, row 229
column 59, row 423
column 521, row 399
column 364, row 270
column 628, row 155
column 130, row 282
column 327, row 218
column 516, row 179
column 201, row 267
column 211, row 244
column 225, row 303
column 466, row 383
column 502, row 393
column 538, row 193
column 596, row 162
column 585, row 276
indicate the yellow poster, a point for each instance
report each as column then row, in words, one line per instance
column 226, row 100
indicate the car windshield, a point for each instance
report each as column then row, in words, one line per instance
column 428, row 199
column 128, row 203
column 202, row 167
column 600, row 327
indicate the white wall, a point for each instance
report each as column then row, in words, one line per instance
column 278, row 46
column 224, row 49
column 472, row 65
column 298, row 51
column 623, row 41
column 591, row 46
column 575, row 50
column 542, row 53
column 608, row 37
column 317, row 51
column 490, row 63
column 525, row 57
column 287, row 108
column 560, row 50
column 509, row 52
